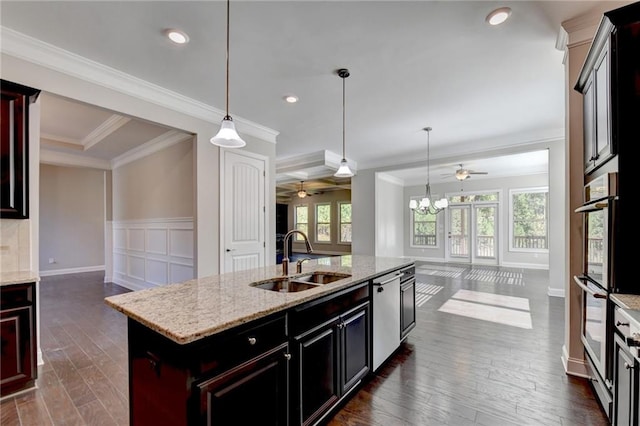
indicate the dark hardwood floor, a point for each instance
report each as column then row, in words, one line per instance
column 453, row 369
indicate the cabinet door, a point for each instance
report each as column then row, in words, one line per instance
column 254, row 393
column 354, row 347
column 625, row 395
column 603, row 145
column 317, row 375
column 17, row 349
column 589, row 125
column 14, row 152
column 407, row 307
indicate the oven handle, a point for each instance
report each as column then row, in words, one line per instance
column 595, row 294
column 593, row 207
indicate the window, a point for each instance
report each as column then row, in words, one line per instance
column 323, row 223
column 302, row 221
column 529, row 212
column 423, row 229
column 345, row 222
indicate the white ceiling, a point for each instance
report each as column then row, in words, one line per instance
column 413, row 64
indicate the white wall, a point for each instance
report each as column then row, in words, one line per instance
column 53, row 71
column 72, row 216
column 389, row 216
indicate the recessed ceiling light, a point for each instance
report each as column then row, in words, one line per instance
column 292, row 99
column 498, row 16
column 177, row 36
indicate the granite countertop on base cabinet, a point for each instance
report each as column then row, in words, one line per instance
column 188, row 311
column 18, row 277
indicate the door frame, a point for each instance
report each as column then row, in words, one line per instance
column 471, row 206
column 224, row 198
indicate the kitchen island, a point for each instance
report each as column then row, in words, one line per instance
column 223, row 350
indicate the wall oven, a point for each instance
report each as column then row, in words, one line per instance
column 598, row 281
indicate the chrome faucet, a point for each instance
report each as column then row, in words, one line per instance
column 285, row 257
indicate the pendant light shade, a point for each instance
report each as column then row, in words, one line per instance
column 227, row 136
column 343, row 170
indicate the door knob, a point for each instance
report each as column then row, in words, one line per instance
column 231, row 249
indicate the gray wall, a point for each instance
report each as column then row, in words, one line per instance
column 72, row 216
column 333, row 197
column 157, row 186
column 363, row 200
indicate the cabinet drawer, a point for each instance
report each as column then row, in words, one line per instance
column 621, row 323
column 325, row 310
column 16, row 295
column 245, row 344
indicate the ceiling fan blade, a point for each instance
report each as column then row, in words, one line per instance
column 477, row 173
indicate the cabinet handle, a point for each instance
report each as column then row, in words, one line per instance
column 287, row 357
column 628, row 366
column 622, row 324
column 252, row 340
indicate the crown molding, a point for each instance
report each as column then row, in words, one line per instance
column 159, row 143
column 312, row 161
column 61, row 141
column 389, row 178
column 109, row 126
column 30, row 49
column 57, row 158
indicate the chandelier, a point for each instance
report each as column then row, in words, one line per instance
column 427, row 205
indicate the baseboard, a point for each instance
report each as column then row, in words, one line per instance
column 71, row 270
column 573, row 366
column 426, row 259
column 129, row 285
column 525, row 265
column 555, row 292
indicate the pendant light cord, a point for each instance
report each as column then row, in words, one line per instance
column 344, row 155
column 227, row 100
column 428, row 129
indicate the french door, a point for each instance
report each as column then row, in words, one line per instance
column 472, row 233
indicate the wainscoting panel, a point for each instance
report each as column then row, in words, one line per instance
column 153, row 252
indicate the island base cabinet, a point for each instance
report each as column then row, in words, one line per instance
column 331, row 353
column 253, row 393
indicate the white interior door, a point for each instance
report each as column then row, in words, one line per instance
column 243, row 218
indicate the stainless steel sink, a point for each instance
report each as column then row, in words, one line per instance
column 283, row 285
column 299, row 282
column 320, row 277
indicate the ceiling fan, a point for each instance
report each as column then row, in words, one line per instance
column 302, row 193
column 463, row 174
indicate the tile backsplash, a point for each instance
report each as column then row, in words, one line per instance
column 15, row 245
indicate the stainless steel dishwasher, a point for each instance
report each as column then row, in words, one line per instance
column 386, row 317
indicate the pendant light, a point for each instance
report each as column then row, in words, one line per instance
column 427, row 205
column 227, row 136
column 343, row 170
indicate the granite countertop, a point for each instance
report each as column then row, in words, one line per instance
column 19, row 277
column 627, row 301
column 630, row 304
column 188, row 311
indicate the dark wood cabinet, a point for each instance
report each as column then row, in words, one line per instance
column 626, row 378
column 14, row 152
column 331, row 352
column 17, row 337
column 211, row 380
column 626, row 374
column 595, row 84
column 262, row 382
